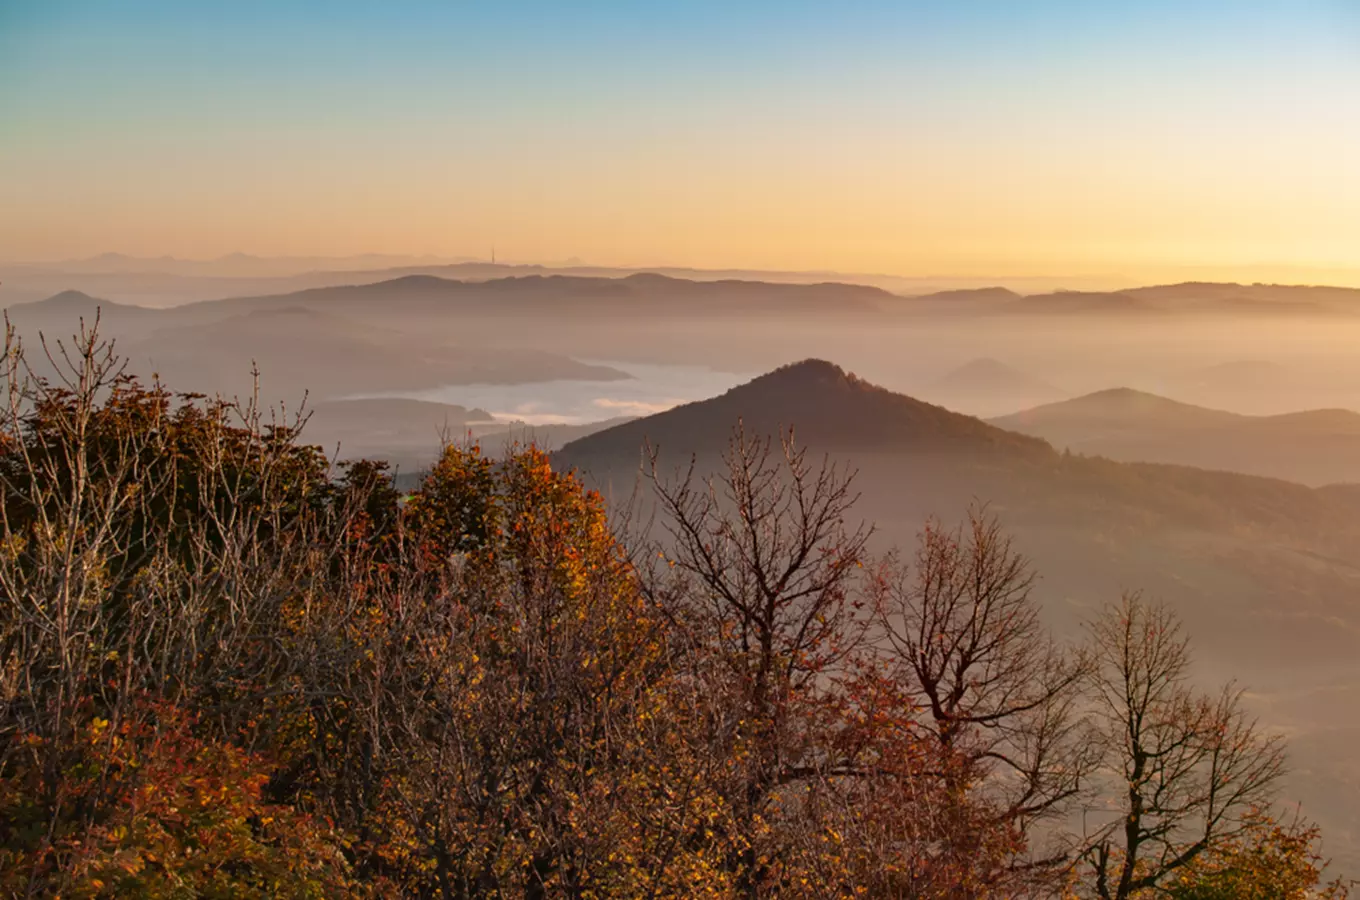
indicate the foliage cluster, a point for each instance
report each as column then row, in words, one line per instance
column 229, row 668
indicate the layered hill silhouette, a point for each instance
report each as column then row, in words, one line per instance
column 1248, row 298
column 1264, row 571
column 833, row 411
column 532, row 310
column 62, row 314
column 169, row 283
column 299, row 349
column 1117, row 409
column 828, row 408
column 166, row 281
column 553, row 314
column 642, row 294
column 650, row 293
column 1312, row 447
column 1187, row 297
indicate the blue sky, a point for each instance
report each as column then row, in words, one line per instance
column 518, row 114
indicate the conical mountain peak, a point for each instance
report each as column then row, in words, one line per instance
column 827, row 407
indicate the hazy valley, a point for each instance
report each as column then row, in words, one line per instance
column 886, row 450
column 1237, row 519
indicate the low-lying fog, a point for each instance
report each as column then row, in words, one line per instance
column 651, row 389
column 1252, row 366
column 1262, row 571
column 985, row 366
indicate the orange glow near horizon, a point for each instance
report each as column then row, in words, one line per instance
column 1207, row 158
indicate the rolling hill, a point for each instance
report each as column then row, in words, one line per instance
column 829, row 408
column 641, row 294
column 1187, row 297
column 1118, row 411
column 834, row 411
column 1313, row 447
column 1265, row 572
column 61, row 314
column 298, row 349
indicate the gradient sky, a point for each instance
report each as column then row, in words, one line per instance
column 952, row 137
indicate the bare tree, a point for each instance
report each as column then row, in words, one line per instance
column 777, row 593
column 1190, row 767
column 1000, row 697
column 154, row 549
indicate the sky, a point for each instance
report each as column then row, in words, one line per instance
column 1216, row 138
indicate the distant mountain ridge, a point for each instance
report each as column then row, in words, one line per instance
column 1120, row 406
column 72, row 301
column 644, row 294
column 299, row 349
column 1263, row 570
column 717, row 292
column 805, row 296
column 167, row 280
column 1185, row 297
column 947, row 457
column 1313, row 447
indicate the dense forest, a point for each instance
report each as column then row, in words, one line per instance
column 230, row 667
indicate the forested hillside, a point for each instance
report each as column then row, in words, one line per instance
column 228, row 668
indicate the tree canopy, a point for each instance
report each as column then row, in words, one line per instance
column 231, row 667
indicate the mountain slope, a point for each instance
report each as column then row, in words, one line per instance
column 1117, row 409
column 299, row 349
column 1312, row 447
column 1232, row 297
column 640, row 294
column 947, row 455
column 1264, row 572
column 61, row 314
column 827, row 407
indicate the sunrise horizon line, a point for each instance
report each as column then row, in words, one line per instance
column 1323, row 275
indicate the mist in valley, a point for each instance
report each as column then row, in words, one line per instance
column 890, row 450
column 1200, row 456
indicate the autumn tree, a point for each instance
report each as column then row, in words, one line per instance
column 774, row 588
column 157, row 552
column 148, row 809
column 231, row 667
column 999, row 699
column 1186, row 769
column 1271, row 859
column 512, row 722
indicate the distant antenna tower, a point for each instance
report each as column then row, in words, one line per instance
column 493, row 254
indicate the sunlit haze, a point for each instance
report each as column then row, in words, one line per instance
column 1144, row 142
column 871, row 449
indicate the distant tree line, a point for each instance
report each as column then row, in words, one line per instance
column 230, row 668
